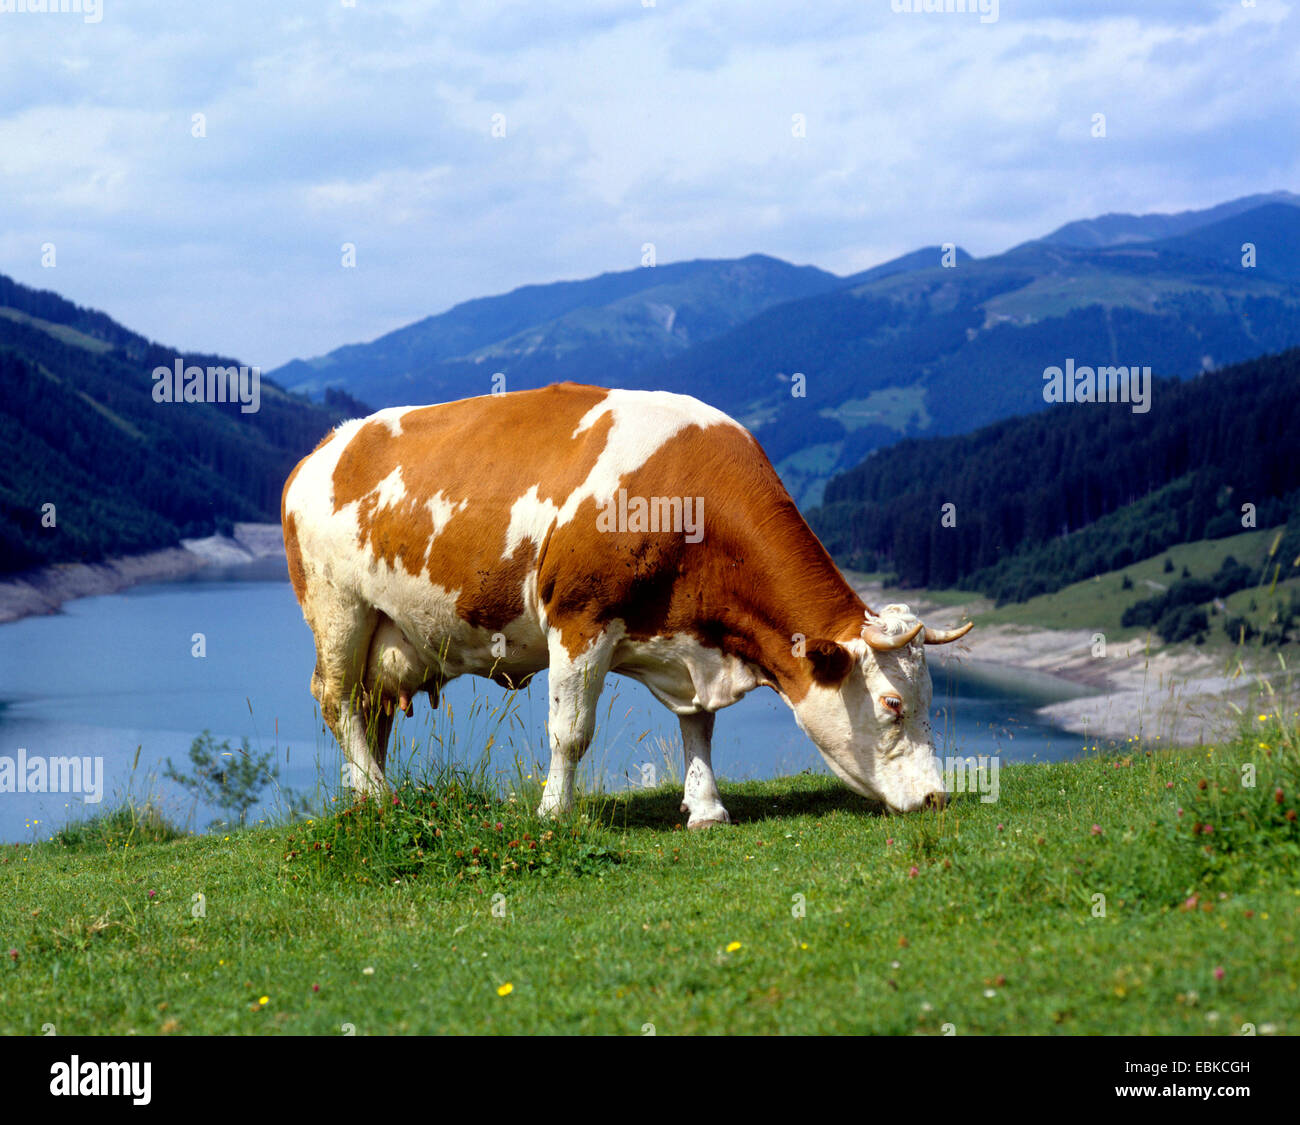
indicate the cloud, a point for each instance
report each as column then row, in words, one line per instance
column 623, row 124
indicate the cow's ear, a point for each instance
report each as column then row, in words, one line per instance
column 830, row 662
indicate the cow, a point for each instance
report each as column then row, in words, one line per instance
column 590, row 531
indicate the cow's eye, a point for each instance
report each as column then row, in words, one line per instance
column 892, row 703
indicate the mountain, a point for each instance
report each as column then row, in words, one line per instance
column 943, row 350
column 908, row 347
column 1115, row 229
column 921, row 259
column 81, row 431
column 601, row 330
column 1047, row 499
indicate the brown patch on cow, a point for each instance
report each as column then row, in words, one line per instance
column 830, row 662
column 293, row 555
column 758, row 576
column 292, row 551
column 478, row 456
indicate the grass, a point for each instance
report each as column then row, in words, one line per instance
column 810, row 914
column 894, row 407
column 1099, row 603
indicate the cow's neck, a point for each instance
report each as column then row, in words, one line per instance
column 792, row 591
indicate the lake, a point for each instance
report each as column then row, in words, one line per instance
column 108, row 675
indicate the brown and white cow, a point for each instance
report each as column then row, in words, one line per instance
column 593, row 531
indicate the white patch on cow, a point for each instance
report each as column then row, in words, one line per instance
column 390, row 490
column 700, row 798
column 530, row 518
column 643, row 422
column 685, row 675
column 574, row 684
column 441, row 509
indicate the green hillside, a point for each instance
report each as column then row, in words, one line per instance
column 1067, row 494
column 124, row 473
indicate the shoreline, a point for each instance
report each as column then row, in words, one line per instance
column 43, row 591
column 1170, row 693
column 1176, row 694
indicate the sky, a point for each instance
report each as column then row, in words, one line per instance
column 465, row 149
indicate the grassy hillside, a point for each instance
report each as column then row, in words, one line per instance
column 1043, row 500
column 1100, row 602
column 811, row 914
column 124, row 473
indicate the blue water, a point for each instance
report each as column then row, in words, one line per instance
column 108, row 675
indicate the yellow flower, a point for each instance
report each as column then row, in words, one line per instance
column 733, row 946
column 264, row 1000
column 803, row 945
column 505, row 989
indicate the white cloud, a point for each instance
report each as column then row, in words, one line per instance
column 624, row 124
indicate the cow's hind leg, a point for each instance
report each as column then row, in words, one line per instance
column 575, row 685
column 343, row 636
column 702, row 801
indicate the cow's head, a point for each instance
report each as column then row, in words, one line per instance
column 868, row 709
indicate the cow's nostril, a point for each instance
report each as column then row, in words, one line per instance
column 936, row 800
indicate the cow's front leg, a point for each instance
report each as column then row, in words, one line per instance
column 575, row 684
column 702, row 800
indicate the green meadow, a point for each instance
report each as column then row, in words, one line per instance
column 1141, row 891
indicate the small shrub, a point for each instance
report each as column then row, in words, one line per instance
column 455, row 829
column 127, row 825
column 231, row 780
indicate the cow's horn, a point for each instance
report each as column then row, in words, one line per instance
column 944, row 636
column 878, row 638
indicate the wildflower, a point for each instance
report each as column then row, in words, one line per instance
column 505, row 989
column 368, row 971
column 912, row 872
column 153, row 894
column 264, row 1000
column 1096, row 829
column 315, row 987
column 13, row 955
column 1218, row 972
column 733, row 946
